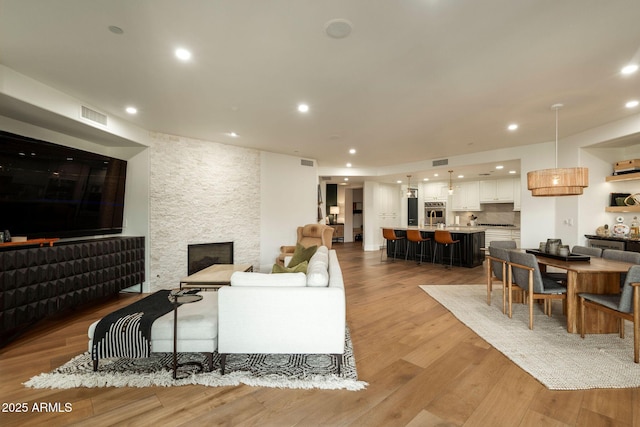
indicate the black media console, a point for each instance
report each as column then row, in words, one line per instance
column 37, row 282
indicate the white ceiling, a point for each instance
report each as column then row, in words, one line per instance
column 415, row 79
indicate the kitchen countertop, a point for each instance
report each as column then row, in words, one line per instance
column 462, row 229
column 617, row 239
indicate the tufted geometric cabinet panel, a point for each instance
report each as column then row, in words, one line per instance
column 38, row 282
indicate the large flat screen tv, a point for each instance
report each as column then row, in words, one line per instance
column 49, row 190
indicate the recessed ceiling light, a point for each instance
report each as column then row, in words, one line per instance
column 338, row 28
column 499, row 167
column 512, row 126
column 399, row 181
column 348, row 165
column 352, row 151
column 629, row 69
column 632, row 104
column 512, row 172
column 346, row 179
column 303, row 108
column 460, row 176
column 116, row 30
column 183, row 54
column 131, row 110
column 233, row 134
column 426, row 179
column 435, row 174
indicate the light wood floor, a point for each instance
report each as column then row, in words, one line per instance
column 424, row 368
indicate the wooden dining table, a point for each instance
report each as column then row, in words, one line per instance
column 596, row 276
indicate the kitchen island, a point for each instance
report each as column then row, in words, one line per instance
column 471, row 244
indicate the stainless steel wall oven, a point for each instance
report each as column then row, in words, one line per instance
column 435, row 213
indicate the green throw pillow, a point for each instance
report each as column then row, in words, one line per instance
column 300, row 268
column 302, row 254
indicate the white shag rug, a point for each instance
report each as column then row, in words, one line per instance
column 556, row 358
column 297, row 371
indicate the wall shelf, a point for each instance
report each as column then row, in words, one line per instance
column 624, row 177
column 622, row 209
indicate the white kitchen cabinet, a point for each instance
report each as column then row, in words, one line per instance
column 435, row 191
column 466, row 197
column 501, row 234
column 389, row 206
column 496, row 191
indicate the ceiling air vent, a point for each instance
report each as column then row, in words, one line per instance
column 325, row 178
column 442, row 162
column 93, row 116
column 304, row 162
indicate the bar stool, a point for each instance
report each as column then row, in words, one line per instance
column 390, row 235
column 443, row 237
column 414, row 236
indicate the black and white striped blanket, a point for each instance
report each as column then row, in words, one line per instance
column 127, row 332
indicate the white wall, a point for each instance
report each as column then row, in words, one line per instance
column 371, row 236
column 345, row 204
column 347, row 212
column 288, row 199
column 136, row 205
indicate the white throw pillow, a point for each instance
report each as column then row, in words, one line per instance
column 317, row 274
column 319, row 257
column 241, row 278
column 323, row 250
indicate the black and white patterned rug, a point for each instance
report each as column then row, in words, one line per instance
column 300, row 371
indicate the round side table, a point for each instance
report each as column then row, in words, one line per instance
column 178, row 299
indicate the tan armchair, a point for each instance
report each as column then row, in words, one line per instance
column 308, row 235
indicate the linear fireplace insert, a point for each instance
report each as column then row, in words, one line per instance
column 203, row 255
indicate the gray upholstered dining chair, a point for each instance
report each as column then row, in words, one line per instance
column 624, row 256
column 624, row 306
column 525, row 274
column 584, row 250
column 497, row 272
column 503, row 244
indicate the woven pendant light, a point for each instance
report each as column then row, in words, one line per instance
column 557, row 181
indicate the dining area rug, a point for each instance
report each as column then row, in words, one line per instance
column 558, row 359
column 294, row 371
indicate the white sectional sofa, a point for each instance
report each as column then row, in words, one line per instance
column 284, row 313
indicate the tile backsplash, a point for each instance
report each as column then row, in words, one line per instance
column 493, row 213
column 498, row 213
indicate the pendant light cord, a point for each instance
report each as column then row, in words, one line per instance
column 557, row 107
column 556, row 138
